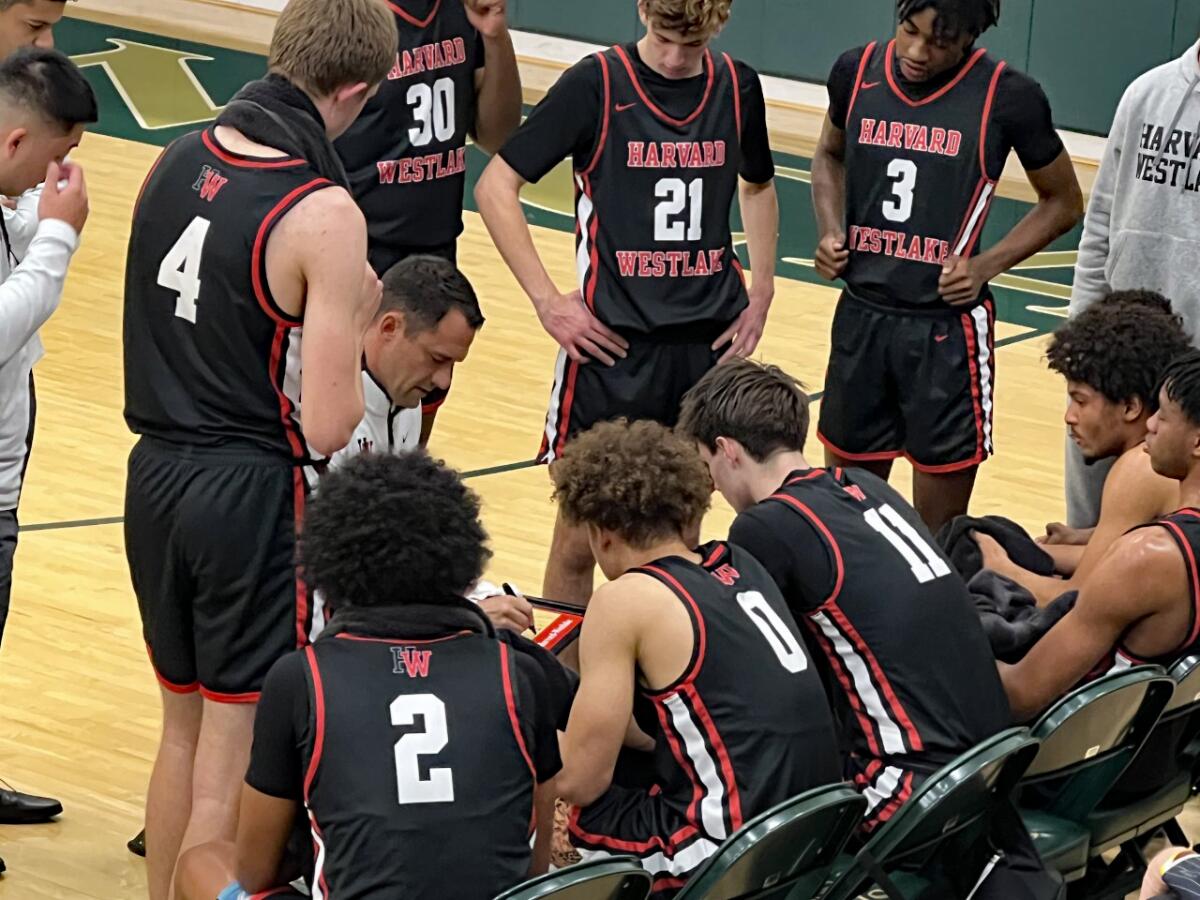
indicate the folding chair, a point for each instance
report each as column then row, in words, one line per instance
column 614, row 878
column 790, row 848
column 1088, row 738
column 943, row 826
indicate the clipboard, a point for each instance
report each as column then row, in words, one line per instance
column 563, row 630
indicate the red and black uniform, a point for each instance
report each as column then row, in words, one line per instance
column 416, row 762
column 655, row 165
column 901, row 646
column 909, row 374
column 212, row 384
column 745, row 727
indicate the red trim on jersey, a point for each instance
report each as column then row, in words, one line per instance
column 599, row 151
column 894, row 804
column 859, row 457
column 650, row 105
column 734, row 802
column 891, row 77
column 833, row 544
column 150, row 174
column 737, row 264
column 262, row 290
column 983, row 217
column 564, row 407
column 406, row 642
column 945, row 467
column 714, row 556
column 972, row 339
column 511, row 703
column 684, row 761
column 410, row 18
column 275, row 892
column 594, row 255
column 1193, row 586
column 170, row 686
column 962, row 229
column 231, row 699
column 702, row 639
column 653, row 844
column 245, row 162
column 810, row 475
column 299, row 500
column 318, row 849
column 285, row 403
column 865, row 722
column 667, row 883
column 862, row 71
column 319, row 716
column 987, row 115
column 737, row 95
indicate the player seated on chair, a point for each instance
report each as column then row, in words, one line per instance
column 1139, row 605
column 697, row 644
column 858, row 566
column 416, row 742
column 1113, row 356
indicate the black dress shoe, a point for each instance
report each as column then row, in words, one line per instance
column 3, row 867
column 24, row 809
column 138, row 845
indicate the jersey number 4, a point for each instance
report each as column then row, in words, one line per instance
column 410, row 786
column 180, row 268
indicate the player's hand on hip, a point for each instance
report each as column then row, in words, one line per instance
column 961, row 281
column 567, row 319
column 65, row 196
column 832, row 256
column 743, row 335
column 488, row 17
column 508, row 611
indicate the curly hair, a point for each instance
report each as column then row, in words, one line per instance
column 690, row 17
column 637, row 480
column 389, row 530
column 761, row 407
column 1120, row 346
column 954, row 17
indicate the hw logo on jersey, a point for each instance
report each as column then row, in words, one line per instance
column 411, row 662
column 726, row 574
column 209, row 184
column 855, row 491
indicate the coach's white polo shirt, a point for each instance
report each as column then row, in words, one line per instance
column 384, row 428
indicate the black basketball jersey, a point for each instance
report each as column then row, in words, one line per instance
column 210, row 357
column 419, row 783
column 406, row 154
column 747, row 725
column 653, row 242
column 918, row 189
column 1184, row 528
column 898, row 631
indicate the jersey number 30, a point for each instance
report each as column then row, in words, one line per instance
column 410, row 786
column 180, row 269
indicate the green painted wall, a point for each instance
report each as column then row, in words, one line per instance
column 1084, row 52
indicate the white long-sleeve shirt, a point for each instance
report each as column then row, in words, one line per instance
column 29, row 295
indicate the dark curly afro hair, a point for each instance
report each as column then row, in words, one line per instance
column 390, row 530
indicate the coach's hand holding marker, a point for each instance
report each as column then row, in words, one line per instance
column 65, row 196
column 567, row 319
column 832, row 256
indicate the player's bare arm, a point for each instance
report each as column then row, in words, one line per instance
column 498, row 83
column 1058, row 210
column 564, row 316
column 264, row 825
column 317, row 267
column 760, row 219
column 829, row 200
column 603, row 707
column 1106, row 610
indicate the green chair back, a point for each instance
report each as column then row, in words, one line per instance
column 786, row 849
column 612, row 878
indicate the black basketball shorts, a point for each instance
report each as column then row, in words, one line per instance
column 910, row 383
column 649, row 383
column 210, row 536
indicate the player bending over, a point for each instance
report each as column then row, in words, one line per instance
column 413, row 741
column 918, row 132
column 696, row 644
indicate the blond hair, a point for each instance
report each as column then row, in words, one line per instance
column 689, row 17
column 324, row 45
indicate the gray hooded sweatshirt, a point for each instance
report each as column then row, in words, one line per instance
column 1143, row 222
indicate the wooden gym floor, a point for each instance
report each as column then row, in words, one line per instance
column 78, row 702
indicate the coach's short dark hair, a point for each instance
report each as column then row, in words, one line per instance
column 1181, row 381
column 390, row 530
column 954, row 17
column 1120, row 346
column 761, row 407
column 425, row 289
column 49, row 84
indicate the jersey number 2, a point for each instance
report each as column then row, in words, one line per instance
column 899, row 208
column 785, row 644
column 410, row 786
column 180, row 269
column 676, row 196
column 433, row 109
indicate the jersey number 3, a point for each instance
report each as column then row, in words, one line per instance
column 410, row 786
column 180, row 269
column 899, row 207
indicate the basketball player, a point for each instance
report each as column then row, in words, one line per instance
column 916, row 139
column 29, row 23
column 662, row 134
column 1113, row 356
column 697, row 644
column 859, row 568
column 447, row 810
column 1111, row 625
column 455, row 78
column 242, row 239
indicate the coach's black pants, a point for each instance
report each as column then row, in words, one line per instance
column 8, row 548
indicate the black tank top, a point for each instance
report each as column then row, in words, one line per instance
column 406, row 154
column 747, row 725
column 917, row 186
column 210, row 358
column 653, row 242
column 898, row 633
column 419, row 783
